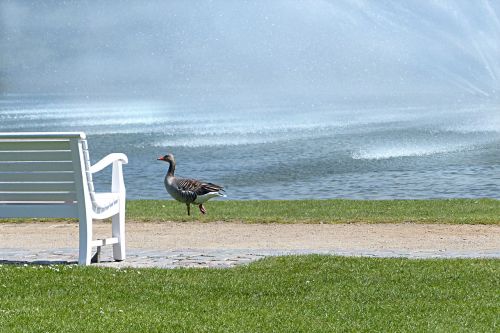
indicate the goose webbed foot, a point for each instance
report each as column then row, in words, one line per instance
column 202, row 209
column 189, row 209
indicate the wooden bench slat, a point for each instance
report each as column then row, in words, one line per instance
column 37, row 196
column 24, row 156
column 37, row 177
column 37, row 187
column 105, row 241
column 42, row 135
column 26, row 145
column 39, row 210
column 35, row 166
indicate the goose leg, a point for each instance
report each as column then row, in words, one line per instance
column 189, row 209
column 202, row 209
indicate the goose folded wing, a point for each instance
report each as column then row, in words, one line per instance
column 196, row 186
column 210, row 187
column 186, row 184
column 187, row 188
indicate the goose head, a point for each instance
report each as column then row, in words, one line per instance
column 167, row 158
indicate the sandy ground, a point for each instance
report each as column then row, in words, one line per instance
column 222, row 235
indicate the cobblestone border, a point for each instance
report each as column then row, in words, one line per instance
column 210, row 258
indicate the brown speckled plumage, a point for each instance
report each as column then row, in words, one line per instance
column 189, row 190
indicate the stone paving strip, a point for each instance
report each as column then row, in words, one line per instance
column 224, row 245
column 208, row 258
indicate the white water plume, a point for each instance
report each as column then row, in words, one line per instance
column 235, row 51
column 395, row 151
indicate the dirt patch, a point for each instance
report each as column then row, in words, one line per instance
column 223, row 235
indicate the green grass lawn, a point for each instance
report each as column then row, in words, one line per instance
column 467, row 211
column 454, row 211
column 284, row 294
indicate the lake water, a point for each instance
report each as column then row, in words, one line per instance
column 287, row 151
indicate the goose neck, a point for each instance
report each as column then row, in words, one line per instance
column 171, row 168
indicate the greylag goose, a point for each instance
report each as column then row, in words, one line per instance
column 189, row 191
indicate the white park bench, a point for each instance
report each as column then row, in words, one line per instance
column 49, row 175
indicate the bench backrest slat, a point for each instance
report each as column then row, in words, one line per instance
column 38, row 155
column 39, row 187
column 34, row 166
column 37, row 210
column 37, row 196
column 33, row 145
column 36, row 177
column 43, row 168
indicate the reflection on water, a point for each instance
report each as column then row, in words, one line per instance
column 285, row 152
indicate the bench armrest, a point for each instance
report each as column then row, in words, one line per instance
column 107, row 160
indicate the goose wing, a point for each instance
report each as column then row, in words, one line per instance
column 197, row 187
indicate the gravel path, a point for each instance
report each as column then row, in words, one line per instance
column 220, row 244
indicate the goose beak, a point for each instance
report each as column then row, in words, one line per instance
column 160, row 158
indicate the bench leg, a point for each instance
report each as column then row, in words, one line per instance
column 118, row 231
column 85, row 241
